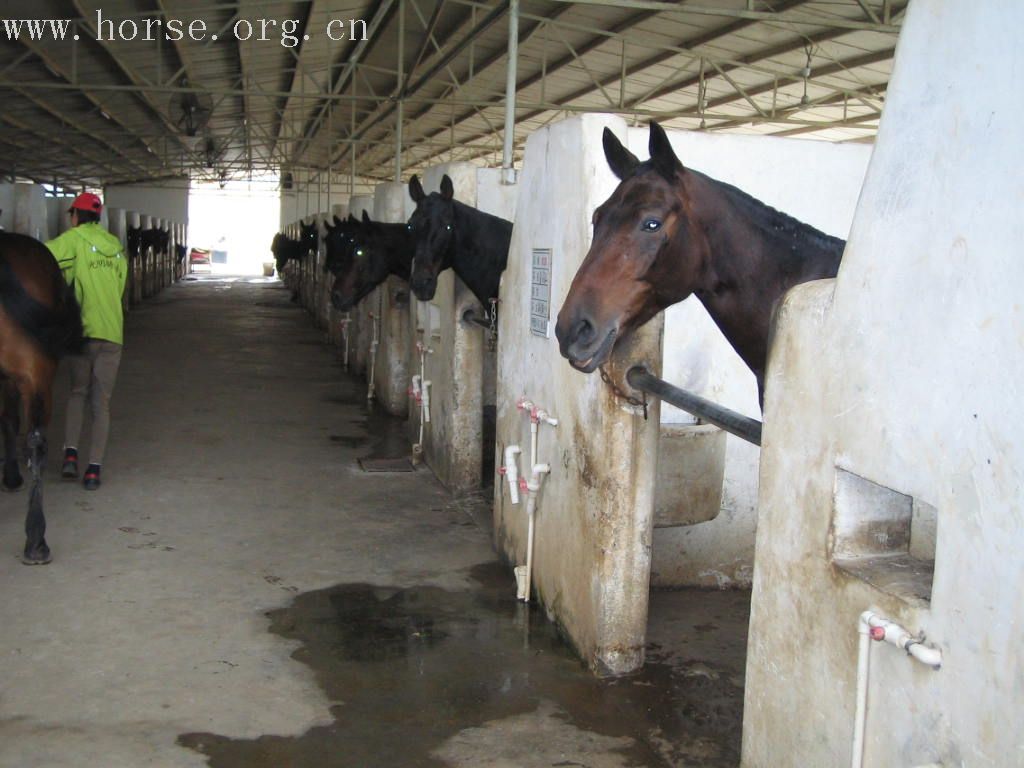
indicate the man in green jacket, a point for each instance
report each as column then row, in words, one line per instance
column 93, row 261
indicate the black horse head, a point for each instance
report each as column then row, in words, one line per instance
column 377, row 250
column 432, row 226
column 339, row 242
column 309, row 237
column 134, row 242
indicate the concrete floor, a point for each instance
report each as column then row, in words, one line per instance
column 240, row 593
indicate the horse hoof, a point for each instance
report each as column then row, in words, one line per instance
column 12, row 488
column 40, row 556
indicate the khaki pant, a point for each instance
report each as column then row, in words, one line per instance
column 93, row 373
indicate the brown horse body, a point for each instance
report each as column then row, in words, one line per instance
column 40, row 320
column 668, row 232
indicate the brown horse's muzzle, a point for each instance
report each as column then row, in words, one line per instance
column 581, row 340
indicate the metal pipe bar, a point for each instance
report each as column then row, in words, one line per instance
column 736, row 13
column 507, row 157
column 470, row 316
column 734, row 423
column 399, row 87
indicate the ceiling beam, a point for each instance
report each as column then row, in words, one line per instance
column 699, row 40
column 59, row 72
column 133, row 77
column 774, row 17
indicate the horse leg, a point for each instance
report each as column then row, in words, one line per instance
column 38, row 404
column 9, row 423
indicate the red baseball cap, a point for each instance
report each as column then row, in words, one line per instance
column 87, row 201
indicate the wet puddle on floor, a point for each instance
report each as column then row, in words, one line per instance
column 381, row 434
column 424, row 676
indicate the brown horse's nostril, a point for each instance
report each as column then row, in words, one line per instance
column 582, row 332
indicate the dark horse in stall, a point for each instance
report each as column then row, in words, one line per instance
column 134, row 242
column 286, row 249
column 669, row 231
column 366, row 253
column 156, row 239
column 40, row 322
column 452, row 234
column 339, row 243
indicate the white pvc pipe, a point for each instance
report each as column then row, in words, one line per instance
column 539, row 472
column 511, row 471
column 345, row 321
column 533, row 442
column 421, row 391
column 872, row 626
column 375, row 344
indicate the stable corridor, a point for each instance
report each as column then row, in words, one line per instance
column 240, row 593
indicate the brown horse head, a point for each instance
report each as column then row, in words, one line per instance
column 648, row 252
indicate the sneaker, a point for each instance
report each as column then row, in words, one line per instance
column 91, row 480
column 69, row 470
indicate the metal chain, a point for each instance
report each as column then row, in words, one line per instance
column 492, row 332
column 634, row 401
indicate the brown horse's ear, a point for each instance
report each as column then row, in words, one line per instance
column 620, row 160
column 337, row 222
column 352, row 219
column 366, row 217
column 662, row 156
column 447, row 188
column 416, row 189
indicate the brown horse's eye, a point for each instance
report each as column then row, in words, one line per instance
column 651, row 225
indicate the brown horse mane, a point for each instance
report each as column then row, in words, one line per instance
column 775, row 223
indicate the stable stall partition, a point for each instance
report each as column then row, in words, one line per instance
column 360, row 328
column 455, row 357
column 586, row 458
column 334, row 320
column 57, row 218
column 892, row 466
column 29, row 211
column 391, row 320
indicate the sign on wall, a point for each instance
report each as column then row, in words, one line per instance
column 540, row 293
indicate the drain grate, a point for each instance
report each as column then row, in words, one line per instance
column 401, row 464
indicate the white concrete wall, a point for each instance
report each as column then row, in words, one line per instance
column 289, row 208
column 57, row 217
column 453, row 442
column 391, row 298
column 815, row 182
column 594, row 518
column 301, row 202
column 7, row 206
column 30, row 216
column 904, row 372
column 335, row 327
column 167, row 200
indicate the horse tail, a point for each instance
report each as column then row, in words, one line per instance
column 68, row 336
column 58, row 329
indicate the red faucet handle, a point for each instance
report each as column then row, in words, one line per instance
column 502, row 471
column 877, row 633
column 522, row 484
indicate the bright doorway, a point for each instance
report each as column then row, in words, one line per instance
column 236, row 221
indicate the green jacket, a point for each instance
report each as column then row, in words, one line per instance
column 93, row 261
